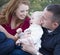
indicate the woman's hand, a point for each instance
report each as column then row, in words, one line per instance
column 29, row 47
column 18, row 42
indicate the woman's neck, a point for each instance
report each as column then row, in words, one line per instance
column 15, row 22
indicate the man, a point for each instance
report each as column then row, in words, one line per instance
column 51, row 37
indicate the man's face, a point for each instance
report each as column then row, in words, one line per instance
column 47, row 19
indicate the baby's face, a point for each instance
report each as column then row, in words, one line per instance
column 36, row 17
column 33, row 20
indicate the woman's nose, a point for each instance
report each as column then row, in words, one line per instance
column 25, row 13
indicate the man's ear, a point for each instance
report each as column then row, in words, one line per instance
column 55, row 25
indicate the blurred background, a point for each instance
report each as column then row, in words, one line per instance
column 35, row 4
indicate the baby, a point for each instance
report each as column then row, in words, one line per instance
column 34, row 32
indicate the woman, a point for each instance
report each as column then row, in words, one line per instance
column 15, row 15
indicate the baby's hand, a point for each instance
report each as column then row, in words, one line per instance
column 19, row 30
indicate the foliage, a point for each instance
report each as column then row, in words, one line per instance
column 36, row 4
column 40, row 4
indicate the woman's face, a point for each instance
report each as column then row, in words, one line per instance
column 22, row 11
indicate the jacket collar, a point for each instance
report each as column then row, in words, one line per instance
column 57, row 30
